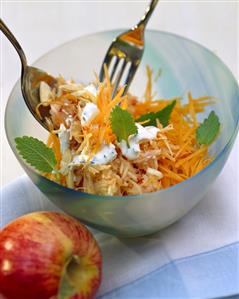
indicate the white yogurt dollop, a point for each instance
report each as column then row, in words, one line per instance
column 64, row 136
column 106, row 154
column 91, row 88
column 144, row 133
column 88, row 113
column 130, row 152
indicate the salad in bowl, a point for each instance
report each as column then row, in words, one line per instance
column 123, row 145
column 136, row 163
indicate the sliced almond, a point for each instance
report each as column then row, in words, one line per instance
column 45, row 92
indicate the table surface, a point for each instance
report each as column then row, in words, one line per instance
column 41, row 26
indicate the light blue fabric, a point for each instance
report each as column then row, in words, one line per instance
column 195, row 258
column 208, row 275
column 148, row 267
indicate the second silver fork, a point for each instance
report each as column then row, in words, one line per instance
column 126, row 52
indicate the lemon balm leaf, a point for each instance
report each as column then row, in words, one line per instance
column 162, row 115
column 147, row 119
column 122, row 124
column 36, row 153
column 208, row 130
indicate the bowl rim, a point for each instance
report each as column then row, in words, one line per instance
column 137, row 196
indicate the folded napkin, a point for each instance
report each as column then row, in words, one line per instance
column 197, row 257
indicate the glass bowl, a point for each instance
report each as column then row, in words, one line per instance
column 186, row 66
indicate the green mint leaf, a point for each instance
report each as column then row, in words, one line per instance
column 208, row 130
column 163, row 116
column 36, row 153
column 122, row 124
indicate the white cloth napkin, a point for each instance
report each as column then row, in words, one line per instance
column 194, row 258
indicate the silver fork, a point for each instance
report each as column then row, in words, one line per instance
column 127, row 49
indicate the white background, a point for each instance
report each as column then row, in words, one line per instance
column 42, row 25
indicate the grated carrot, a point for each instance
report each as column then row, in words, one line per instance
column 54, row 143
column 148, row 90
column 175, row 152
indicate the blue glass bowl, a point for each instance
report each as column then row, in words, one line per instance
column 186, row 66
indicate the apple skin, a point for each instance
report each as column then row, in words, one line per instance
column 34, row 249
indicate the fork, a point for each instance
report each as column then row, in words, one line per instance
column 126, row 51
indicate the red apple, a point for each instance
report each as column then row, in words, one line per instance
column 43, row 254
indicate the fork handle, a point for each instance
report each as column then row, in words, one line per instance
column 144, row 20
column 14, row 42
